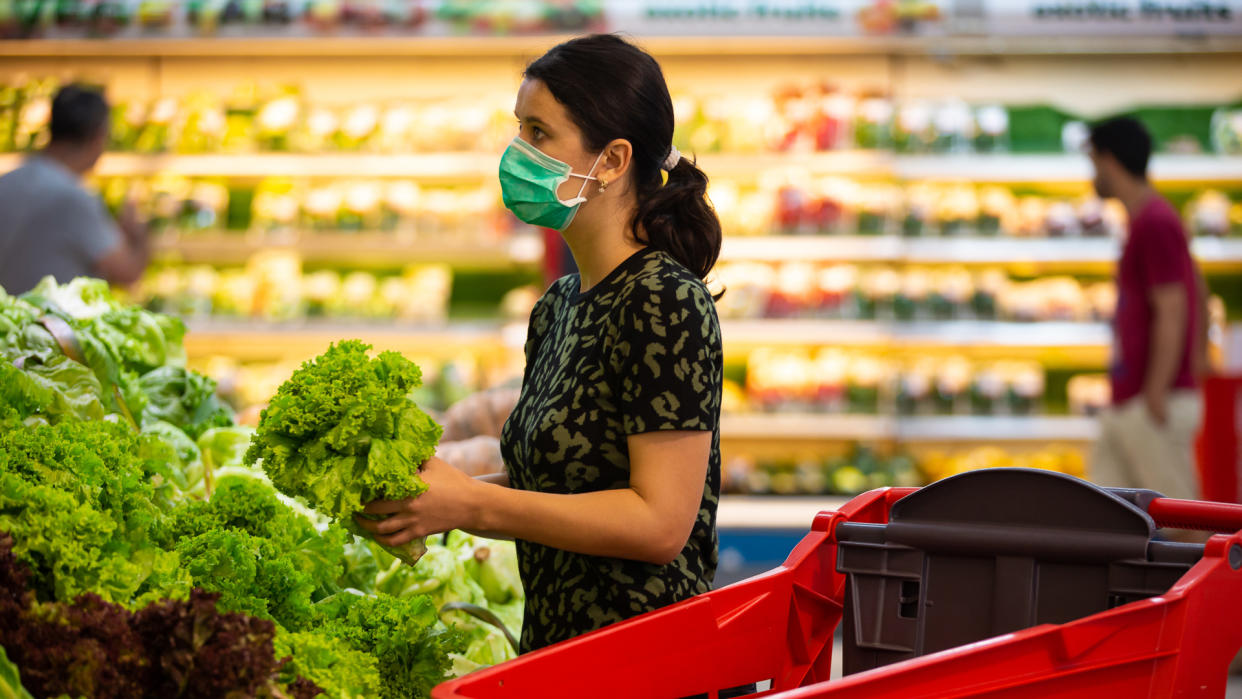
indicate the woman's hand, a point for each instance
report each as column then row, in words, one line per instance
column 450, row 502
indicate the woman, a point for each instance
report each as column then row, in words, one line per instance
column 612, row 452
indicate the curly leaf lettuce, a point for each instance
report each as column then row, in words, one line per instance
column 341, row 671
column 79, row 499
column 342, row 432
column 410, row 646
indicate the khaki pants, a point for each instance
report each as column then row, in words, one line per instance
column 1134, row 452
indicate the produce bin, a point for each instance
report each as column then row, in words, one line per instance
column 996, row 583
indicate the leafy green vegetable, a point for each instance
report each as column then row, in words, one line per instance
column 251, row 507
column 342, row 672
column 55, row 388
column 225, row 446
column 251, row 576
column 79, row 498
column 143, row 581
column 119, row 343
column 342, row 432
column 10, row 680
column 410, row 647
column 90, row 647
column 453, row 570
column 183, row 398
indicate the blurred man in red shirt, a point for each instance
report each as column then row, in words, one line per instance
column 1159, row 333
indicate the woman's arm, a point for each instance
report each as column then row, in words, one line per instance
column 649, row 521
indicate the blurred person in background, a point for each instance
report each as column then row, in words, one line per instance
column 49, row 223
column 1160, row 329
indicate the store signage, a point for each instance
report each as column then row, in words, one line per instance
column 1138, row 17
column 773, row 17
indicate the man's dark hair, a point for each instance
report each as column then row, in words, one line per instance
column 79, row 112
column 1127, row 140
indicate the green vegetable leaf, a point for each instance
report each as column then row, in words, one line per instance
column 10, row 680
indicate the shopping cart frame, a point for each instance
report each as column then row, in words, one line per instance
column 777, row 629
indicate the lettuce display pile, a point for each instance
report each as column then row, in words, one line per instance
column 138, row 550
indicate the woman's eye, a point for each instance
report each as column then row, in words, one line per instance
column 536, row 132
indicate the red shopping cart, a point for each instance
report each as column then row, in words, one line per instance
column 994, row 583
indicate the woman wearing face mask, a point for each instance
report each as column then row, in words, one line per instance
column 612, row 452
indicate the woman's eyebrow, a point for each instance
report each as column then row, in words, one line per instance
column 531, row 119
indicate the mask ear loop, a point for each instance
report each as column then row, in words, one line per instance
column 585, row 178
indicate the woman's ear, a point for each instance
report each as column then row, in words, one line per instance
column 614, row 165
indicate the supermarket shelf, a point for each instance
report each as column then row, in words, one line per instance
column 998, row 429
column 1059, row 168
column 807, row 426
column 938, row 334
column 425, row 166
column 467, row 165
column 351, row 249
column 255, row 341
column 529, row 46
column 773, row 512
column 861, row 163
column 966, row 250
column 953, row 428
column 814, row 248
column 276, row 46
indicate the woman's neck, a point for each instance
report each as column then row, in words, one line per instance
column 599, row 248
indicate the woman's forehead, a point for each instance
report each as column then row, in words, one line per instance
column 535, row 100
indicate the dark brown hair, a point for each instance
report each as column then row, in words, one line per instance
column 613, row 89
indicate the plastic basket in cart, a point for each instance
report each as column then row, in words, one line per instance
column 1044, row 585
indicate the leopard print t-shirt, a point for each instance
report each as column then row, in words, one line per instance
column 638, row 352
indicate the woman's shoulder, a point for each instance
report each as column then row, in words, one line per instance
column 556, row 294
column 662, row 277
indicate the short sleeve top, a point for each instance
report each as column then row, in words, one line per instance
column 638, row 352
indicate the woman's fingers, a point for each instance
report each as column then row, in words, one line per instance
column 384, row 527
column 397, row 539
column 392, row 525
column 385, row 507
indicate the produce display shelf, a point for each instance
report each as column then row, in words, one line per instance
column 954, row 333
column 457, row 166
column 1075, row 343
column 528, row 46
column 1214, row 253
column 1020, row 168
column 422, row 166
column 298, row 340
column 772, row 511
column 352, row 249
column 948, row 428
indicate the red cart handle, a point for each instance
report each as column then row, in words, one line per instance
column 1196, row 514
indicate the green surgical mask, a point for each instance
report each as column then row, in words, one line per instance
column 529, row 179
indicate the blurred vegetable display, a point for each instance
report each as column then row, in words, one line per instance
column 799, row 289
column 864, row 467
column 790, row 118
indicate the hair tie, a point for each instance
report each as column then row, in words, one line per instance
column 674, row 157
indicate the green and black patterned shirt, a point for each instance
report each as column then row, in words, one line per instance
column 638, row 352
